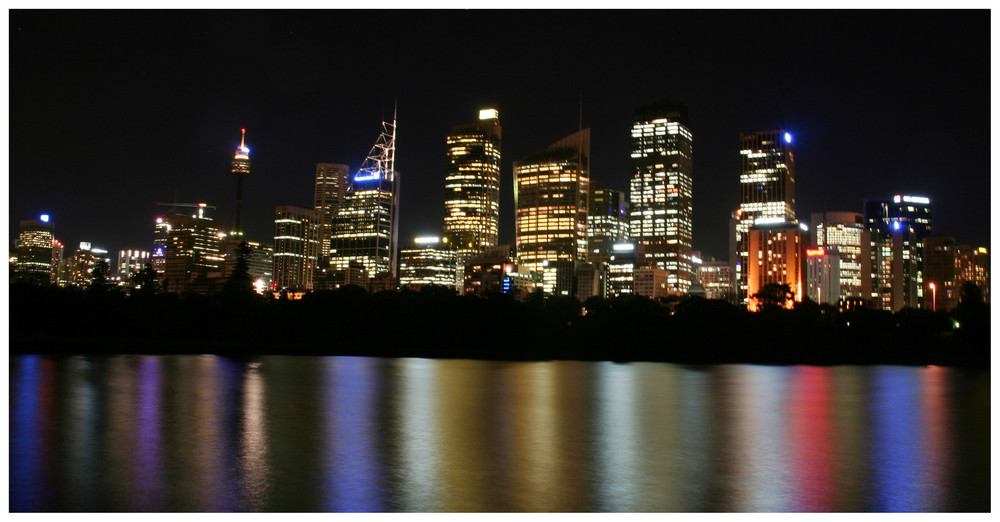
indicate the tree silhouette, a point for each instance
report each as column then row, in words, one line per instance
column 144, row 282
column 99, row 282
column 239, row 286
column 774, row 297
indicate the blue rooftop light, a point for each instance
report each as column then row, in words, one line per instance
column 895, row 225
column 44, row 218
column 788, row 138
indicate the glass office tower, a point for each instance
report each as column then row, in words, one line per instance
column 662, row 214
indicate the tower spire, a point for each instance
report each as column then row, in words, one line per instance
column 240, row 167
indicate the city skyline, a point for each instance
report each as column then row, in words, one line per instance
column 154, row 123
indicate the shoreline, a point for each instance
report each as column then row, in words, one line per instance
column 56, row 346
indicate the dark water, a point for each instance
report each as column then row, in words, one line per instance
column 204, row 433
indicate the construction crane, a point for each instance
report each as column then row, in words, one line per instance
column 200, row 206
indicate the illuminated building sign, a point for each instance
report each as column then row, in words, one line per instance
column 623, row 247
column 425, row 240
column 811, row 252
column 911, row 199
column 488, row 114
column 368, row 176
column 788, row 138
column 44, row 218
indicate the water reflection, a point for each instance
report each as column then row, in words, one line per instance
column 419, row 455
column 203, row 433
column 352, row 477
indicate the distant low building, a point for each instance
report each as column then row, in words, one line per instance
column 427, row 262
column 938, row 278
column 972, row 265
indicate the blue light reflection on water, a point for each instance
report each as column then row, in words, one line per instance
column 149, row 465
column 27, row 484
column 896, row 448
column 352, row 479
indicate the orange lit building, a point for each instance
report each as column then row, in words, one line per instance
column 973, row 265
column 774, row 257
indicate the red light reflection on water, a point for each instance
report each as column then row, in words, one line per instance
column 812, row 439
column 936, row 446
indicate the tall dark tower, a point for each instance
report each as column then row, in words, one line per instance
column 241, row 167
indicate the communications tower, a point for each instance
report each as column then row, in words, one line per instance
column 241, row 167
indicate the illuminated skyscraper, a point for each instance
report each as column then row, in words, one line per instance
column 296, row 243
column 367, row 223
column 472, row 185
column 130, row 262
column 331, row 189
column 843, row 235
column 607, row 222
column 661, row 214
column 716, row 277
column 551, row 191
column 823, row 274
column 260, row 265
column 775, row 258
column 898, row 226
column 83, row 262
column 240, row 167
column 427, row 262
column 767, row 192
column 34, row 252
column 190, row 251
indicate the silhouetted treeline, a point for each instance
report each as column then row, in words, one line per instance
column 437, row 323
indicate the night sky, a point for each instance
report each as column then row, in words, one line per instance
column 111, row 111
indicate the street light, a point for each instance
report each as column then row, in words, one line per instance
column 933, row 298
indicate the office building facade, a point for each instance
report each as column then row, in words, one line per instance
column 938, row 278
column 296, row 246
column 774, row 258
column 331, row 190
column 767, row 194
column 844, row 235
column 972, row 265
column 661, row 190
column 823, row 273
column 366, row 228
column 130, row 262
column 188, row 251
column 551, row 191
column 607, row 222
column 472, row 185
column 427, row 262
column 897, row 227
column 34, row 251
column 716, row 278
